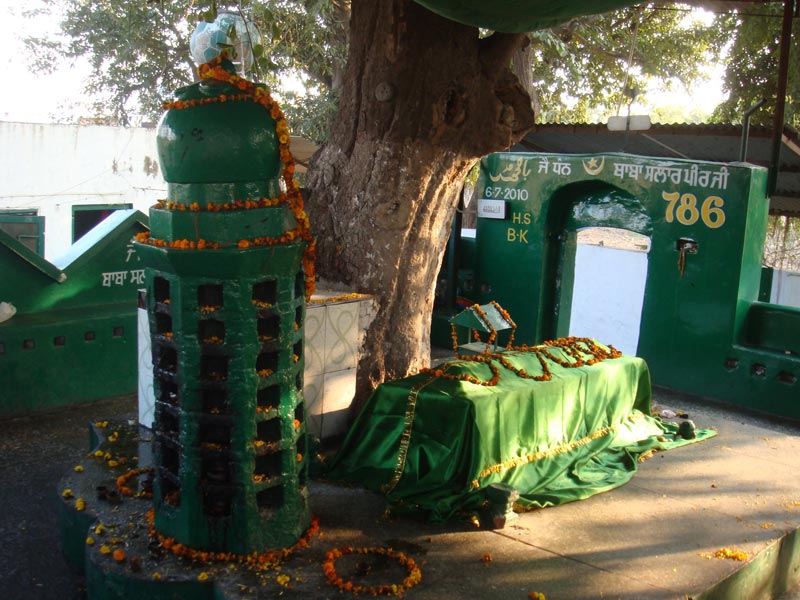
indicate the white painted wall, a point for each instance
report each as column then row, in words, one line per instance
column 609, row 289
column 786, row 288
column 607, row 295
column 51, row 167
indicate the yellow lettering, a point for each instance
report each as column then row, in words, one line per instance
column 712, row 213
column 686, row 212
column 517, row 235
column 672, row 198
column 526, row 218
column 516, row 218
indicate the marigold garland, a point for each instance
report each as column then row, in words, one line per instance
column 220, row 207
column 466, row 376
column 412, row 578
column 582, row 351
column 122, row 483
column 249, row 92
column 254, row 560
column 340, row 298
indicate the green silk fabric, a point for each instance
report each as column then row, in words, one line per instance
column 556, row 441
column 517, row 16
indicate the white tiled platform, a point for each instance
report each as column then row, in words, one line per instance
column 333, row 332
column 334, row 327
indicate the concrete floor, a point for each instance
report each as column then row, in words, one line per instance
column 649, row 539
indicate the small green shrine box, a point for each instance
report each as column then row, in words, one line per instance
column 489, row 320
column 486, row 319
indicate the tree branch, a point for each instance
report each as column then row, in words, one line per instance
column 496, row 52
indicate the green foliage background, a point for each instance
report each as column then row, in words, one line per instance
column 139, row 53
column 752, row 66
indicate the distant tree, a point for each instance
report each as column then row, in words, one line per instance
column 139, row 52
column 782, row 246
column 307, row 40
column 577, row 71
column 752, row 65
column 582, row 67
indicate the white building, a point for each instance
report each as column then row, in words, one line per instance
column 59, row 181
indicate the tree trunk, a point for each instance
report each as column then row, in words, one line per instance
column 522, row 67
column 423, row 98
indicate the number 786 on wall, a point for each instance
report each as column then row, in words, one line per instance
column 683, row 207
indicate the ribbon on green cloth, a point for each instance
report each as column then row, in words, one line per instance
column 554, row 441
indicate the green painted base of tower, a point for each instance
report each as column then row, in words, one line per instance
column 106, row 534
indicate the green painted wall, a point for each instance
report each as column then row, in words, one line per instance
column 695, row 304
column 73, row 338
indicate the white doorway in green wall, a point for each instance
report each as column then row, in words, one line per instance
column 609, row 282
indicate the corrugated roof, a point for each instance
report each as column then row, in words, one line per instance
column 709, row 142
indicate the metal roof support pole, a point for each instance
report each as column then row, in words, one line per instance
column 780, row 101
column 746, row 128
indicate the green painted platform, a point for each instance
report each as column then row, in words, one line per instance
column 648, row 539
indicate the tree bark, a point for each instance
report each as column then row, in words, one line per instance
column 423, row 98
column 522, row 67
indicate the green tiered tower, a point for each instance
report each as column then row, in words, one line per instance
column 226, row 290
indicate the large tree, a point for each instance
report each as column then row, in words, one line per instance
column 422, row 98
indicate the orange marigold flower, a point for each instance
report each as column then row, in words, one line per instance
column 119, row 555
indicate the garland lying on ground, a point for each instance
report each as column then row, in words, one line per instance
column 412, row 578
column 255, row 560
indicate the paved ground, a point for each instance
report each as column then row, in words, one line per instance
column 648, row 539
column 35, row 452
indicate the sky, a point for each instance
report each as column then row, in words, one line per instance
column 58, row 97
column 37, row 98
